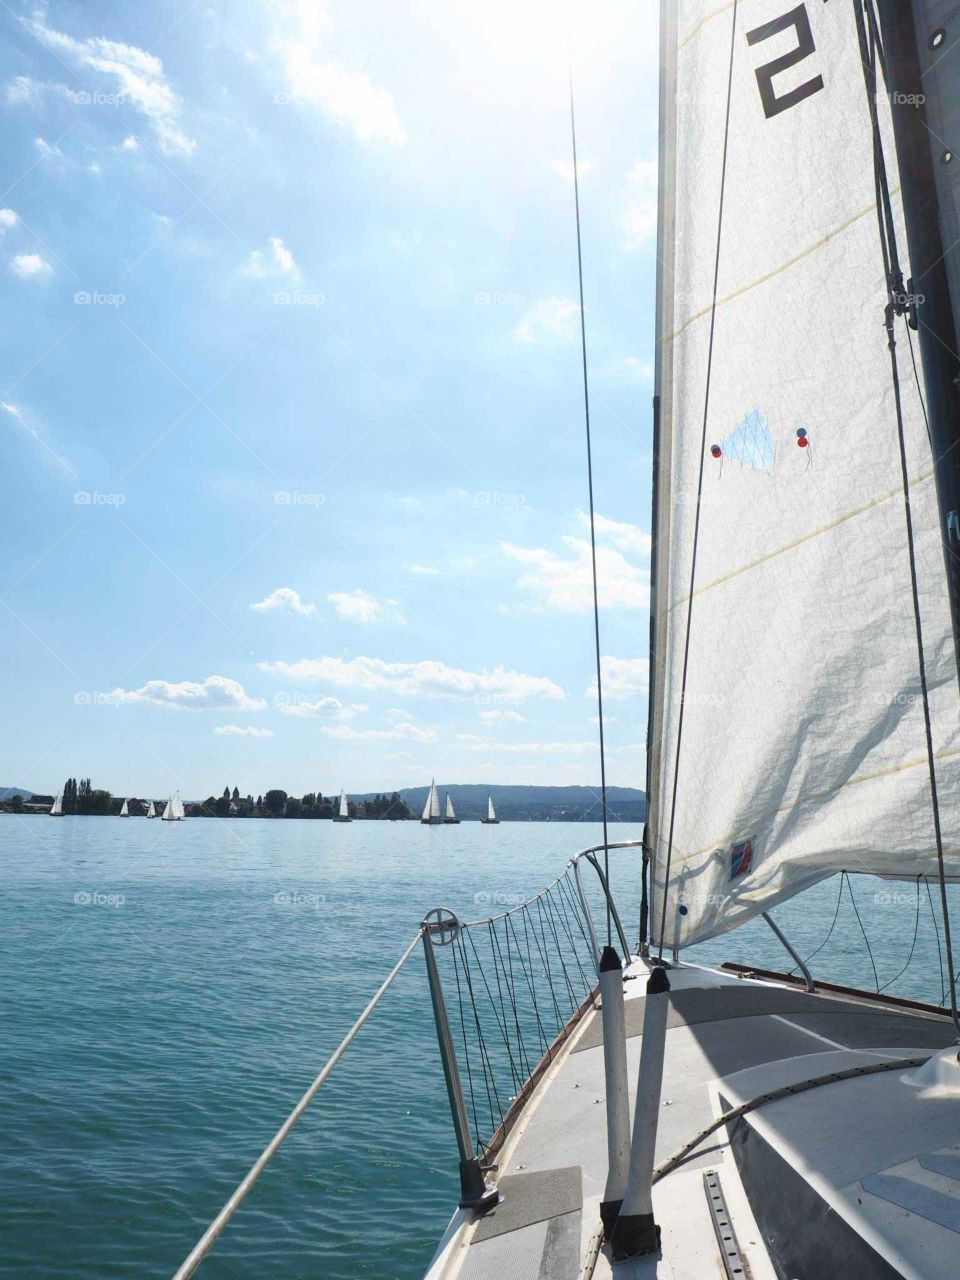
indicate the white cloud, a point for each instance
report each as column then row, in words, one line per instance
column 23, row 90
column 564, row 168
column 620, row 533
column 418, row 679
column 474, row 742
column 550, row 319
column 242, row 731
column 31, row 266
column 629, row 369
column 273, row 262
column 622, row 677
column 214, row 693
column 46, row 150
column 129, row 144
column 350, row 98
column 640, row 216
column 425, row 570
column 138, row 78
column 285, row 598
column 565, row 582
column 360, row 606
column 501, row 717
column 314, row 707
column 400, row 732
column 8, row 220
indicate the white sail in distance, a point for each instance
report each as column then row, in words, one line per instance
column 491, row 812
column 151, row 811
column 431, row 810
column 124, row 810
column 802, row 750
column 344, row 810
column 449, row 810
column 174, row 811
column 56, row 809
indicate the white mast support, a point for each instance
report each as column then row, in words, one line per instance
column 209, row 1237
column 662, row 423
column 617, row 1088
column 636, row 1232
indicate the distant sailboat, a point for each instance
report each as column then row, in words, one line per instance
column 174, row 810
column 343, row 813
column 450, row 818
column 431, row 810
column 151, row 811
column 56, row 810
column 124, row 811
column 491, row 820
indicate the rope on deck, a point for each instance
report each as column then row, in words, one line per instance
column 785, row 1091
column 209, row 1237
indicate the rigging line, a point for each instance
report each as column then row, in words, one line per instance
column 833, row 925
column 873, row 963
column 936, row 932
column 870, row 81
column 593, row 532
column 703, row 447
column 913, row 945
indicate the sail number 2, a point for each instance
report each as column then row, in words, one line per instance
column 799, row 20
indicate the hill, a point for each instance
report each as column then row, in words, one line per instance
column 533, row 804
column 7, row 793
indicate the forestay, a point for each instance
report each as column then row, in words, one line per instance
column 802, row 750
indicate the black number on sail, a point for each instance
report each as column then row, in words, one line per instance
column 799, row 19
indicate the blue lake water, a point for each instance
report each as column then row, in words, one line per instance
column 170, row 989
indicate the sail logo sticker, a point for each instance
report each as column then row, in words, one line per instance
column 741, row 858
column 799, row 19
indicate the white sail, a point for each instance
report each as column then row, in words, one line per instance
column 344, row 810
column 151, row 811
column 449, row 810
column 124, row 810
column 491, row 812
column 432, row 808
column 174, row 809
column 802, row 750
column 56, row 809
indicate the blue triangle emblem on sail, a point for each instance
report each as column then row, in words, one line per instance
column 750, row 443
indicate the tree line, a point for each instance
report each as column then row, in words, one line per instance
column 276, row 803
column 82, row 797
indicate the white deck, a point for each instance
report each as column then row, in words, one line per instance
column 876, row 1151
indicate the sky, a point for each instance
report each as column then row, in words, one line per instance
column 294, row 481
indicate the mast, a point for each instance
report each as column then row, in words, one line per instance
column 928, row 200
column 662, row 411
